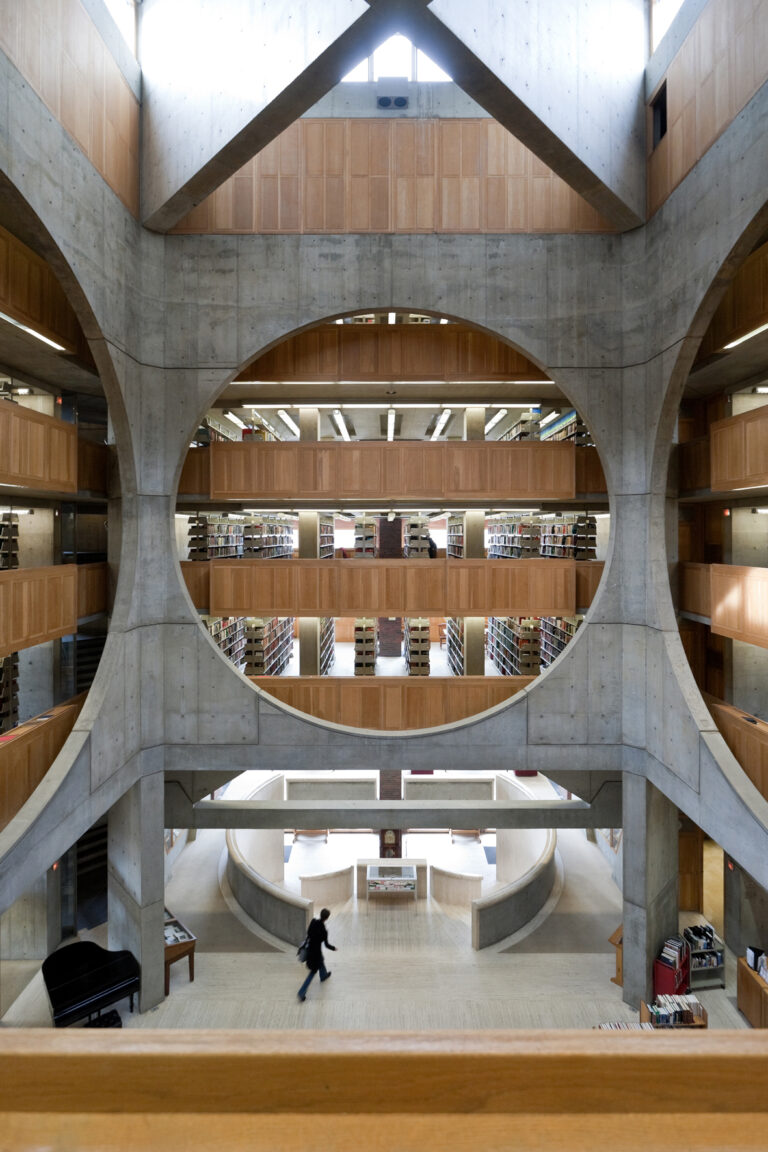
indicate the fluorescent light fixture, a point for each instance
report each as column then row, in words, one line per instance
column 761, row 388
column 289, row 423
column 548, row 419
column 605, row 515
column 517, row 404
column 495, row 419
column 235, row 419
column 443, row 320
column 338, row 321
column 22, row 391
column 741, row 339
column 31, row 332
column 357, row 407
column 762, row 511
column 417, row 405
column 390, row 317
column 339, row 420
column 445, row 416
column 267, row 407
column 391, row 424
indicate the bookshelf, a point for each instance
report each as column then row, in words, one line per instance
column 268, row 538
column 751, row 994
column 214, row 537
column 268, row 644
column 366, row 536
column 674, row 1011
column 9, row 692
column 512, row 538
column 416, row 537
column 707, row 956
column 526, row 427
column 556, row 632
column 569, row 539
column 671, row 968
column 454, row 644
column 366, row 646
column 455, row 542
column 327, row 643
column 569, row 426
column 416, row 647
column 514, row 645
column 9, row 540
column 228, row 633
column 326, row 548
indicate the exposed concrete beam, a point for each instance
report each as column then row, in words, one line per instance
column 566, row 79
column 221, row 81
column 395, row 813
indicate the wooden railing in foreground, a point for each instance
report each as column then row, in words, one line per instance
column 423, row 1092
column 27, row 752
column 392, row 702
column 747, row 738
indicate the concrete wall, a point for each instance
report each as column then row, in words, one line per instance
column 517, row 849
column 346, row 788
column 447, row 788
column 262, row 848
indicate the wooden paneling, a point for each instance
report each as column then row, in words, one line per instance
column 38, row 451
column 389, row 587
column 690, row 868
column 92, row 589
column 36, row 604
column 398, row 175
column 694, row 588
column 337, row 472
column 718, row 68
column 391, row 351
column 743, row 307
column 392, row 702
column 739, row 603
column 589, row 573
column 739, row 451
column 31, row 294
column 57, row 49
column 693, row 465
column 237, row 1089
column 27, row 752
column 590, row 476
column 92, row 466
column 195, row 479
column 747, row 738
column 197, row 577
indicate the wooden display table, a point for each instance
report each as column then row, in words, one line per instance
column 420, row 866
column 751, row 994
column 390, row 880
column 179, row 942
column 646, row 1017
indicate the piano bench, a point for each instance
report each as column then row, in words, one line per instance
column 111, row 1019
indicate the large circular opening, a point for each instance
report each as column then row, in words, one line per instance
column 392, row 521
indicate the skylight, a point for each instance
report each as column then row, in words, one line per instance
column 397, row 56
column 663, row 13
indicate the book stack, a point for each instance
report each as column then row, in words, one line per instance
column 675, row 1011
column 417, row 646
column 366, row 537
column 416, row 537
column 673, row 952
column 625, row 1026
column 365, row 646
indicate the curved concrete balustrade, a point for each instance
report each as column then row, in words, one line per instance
column 454, row 887
column 505, row 911
column 273, row 908
column 329, row 887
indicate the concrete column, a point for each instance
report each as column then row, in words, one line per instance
column 474, row 423
column 309, row 424
column 31, row 928
column 136, row 882
column 650, row 844
column 474, row 534
column 474, row 645
column 309, row 646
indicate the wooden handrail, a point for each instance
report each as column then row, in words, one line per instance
column 268, row 1089
column 747, row 738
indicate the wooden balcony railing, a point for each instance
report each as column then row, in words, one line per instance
column 40, row 604
column 739, row 451
column 27, row 752
column 747, row 738
column 693, row 588
column 39, row 451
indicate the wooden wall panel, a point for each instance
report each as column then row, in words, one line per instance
column 197, row 577
column 739, row 600
column 399, row 175
column 27, row 752
column 719, row 67
column 36, row 604
column 57, row 49
column 92, row 589
column 747, row 738
column 694, row 588
column 92, row 466
column 739, row 451
column 260, row 470
column 31, row 294
column 387, row 587
column 392, row 703
column 38, row 451
column 590, row 476
column 693, row 459
column 589, row 573
column 390, row 351
column 195, row 479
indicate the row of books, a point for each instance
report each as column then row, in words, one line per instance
column 680, row 1009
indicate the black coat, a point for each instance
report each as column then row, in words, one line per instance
column 317, row 935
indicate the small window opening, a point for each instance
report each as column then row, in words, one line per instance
column 659, row 110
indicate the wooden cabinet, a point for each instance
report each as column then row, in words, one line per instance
column 751, row 995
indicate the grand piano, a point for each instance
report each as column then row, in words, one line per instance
column 83, row 978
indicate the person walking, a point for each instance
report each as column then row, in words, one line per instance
column 317, row 935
